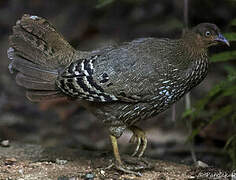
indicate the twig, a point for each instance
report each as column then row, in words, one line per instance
column 186, row 14
column 187, row 97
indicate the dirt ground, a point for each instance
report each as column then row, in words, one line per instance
column 31, row 162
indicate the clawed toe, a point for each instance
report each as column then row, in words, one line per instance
column 140, row 139
column 125, row 169
column 132, row 166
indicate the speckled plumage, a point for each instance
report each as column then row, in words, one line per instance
column 121, row 85
column 154, row 82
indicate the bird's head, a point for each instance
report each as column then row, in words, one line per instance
column 209, row 35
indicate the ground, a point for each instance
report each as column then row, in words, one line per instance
column 31, row 162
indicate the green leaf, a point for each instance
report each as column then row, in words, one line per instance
column 230, row 91
column 234, row 117
column 229, row 141
column 221, row 113
column 230, row 36
column 231, row 70
column 224, row 56
column 233, row 22
column 193, row 134
column 224, row 88
column 187, row 113
column 213, row 92
column 103, row 3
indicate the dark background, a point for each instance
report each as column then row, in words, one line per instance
column 88, row 25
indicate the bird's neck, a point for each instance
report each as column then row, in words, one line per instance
column 187, row 52
column 196, row 59
column 193, row 44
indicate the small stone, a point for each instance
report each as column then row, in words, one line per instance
column 89, row 176
column 201, row 164
column 162, row 177
column 73, row 178
column 21, row 171
column 63, row 178
column 10, row 161
column 102, row 172
column 61, row 161
column 5, row 143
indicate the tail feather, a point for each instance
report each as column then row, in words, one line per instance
column 35, row 39
column 34, row 83
column 24, row 45
column 37, row 96
column 37, row 52
column 30, row 69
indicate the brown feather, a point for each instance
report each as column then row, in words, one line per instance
column 34, row 83
column 37, row 96
column 38, row 52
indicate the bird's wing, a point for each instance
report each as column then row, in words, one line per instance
column 77, row 80
column 127, row 73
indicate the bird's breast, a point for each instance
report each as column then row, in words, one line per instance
column 178, row 82
column 169, row 89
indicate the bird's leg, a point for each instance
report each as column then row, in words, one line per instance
column 140, row 139
column 115, row 150
column 118, row 163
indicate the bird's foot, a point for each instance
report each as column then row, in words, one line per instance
column 125, row 169
column 140, row 139
column 131, row 165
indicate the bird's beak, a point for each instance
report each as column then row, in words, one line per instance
column 222, row 39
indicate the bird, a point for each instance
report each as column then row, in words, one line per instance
column 120, row 84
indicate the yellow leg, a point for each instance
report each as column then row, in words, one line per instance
column 118, row 164
column 140, row 139
column 115, row 149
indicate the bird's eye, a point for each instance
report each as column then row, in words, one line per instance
column 207, row 33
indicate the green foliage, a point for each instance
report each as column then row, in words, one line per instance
column 228, row 55
column 230, row 36
column 103, row 3
column 230, row 147
column 233, row 22
column 224, row 56
column 210, row 108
